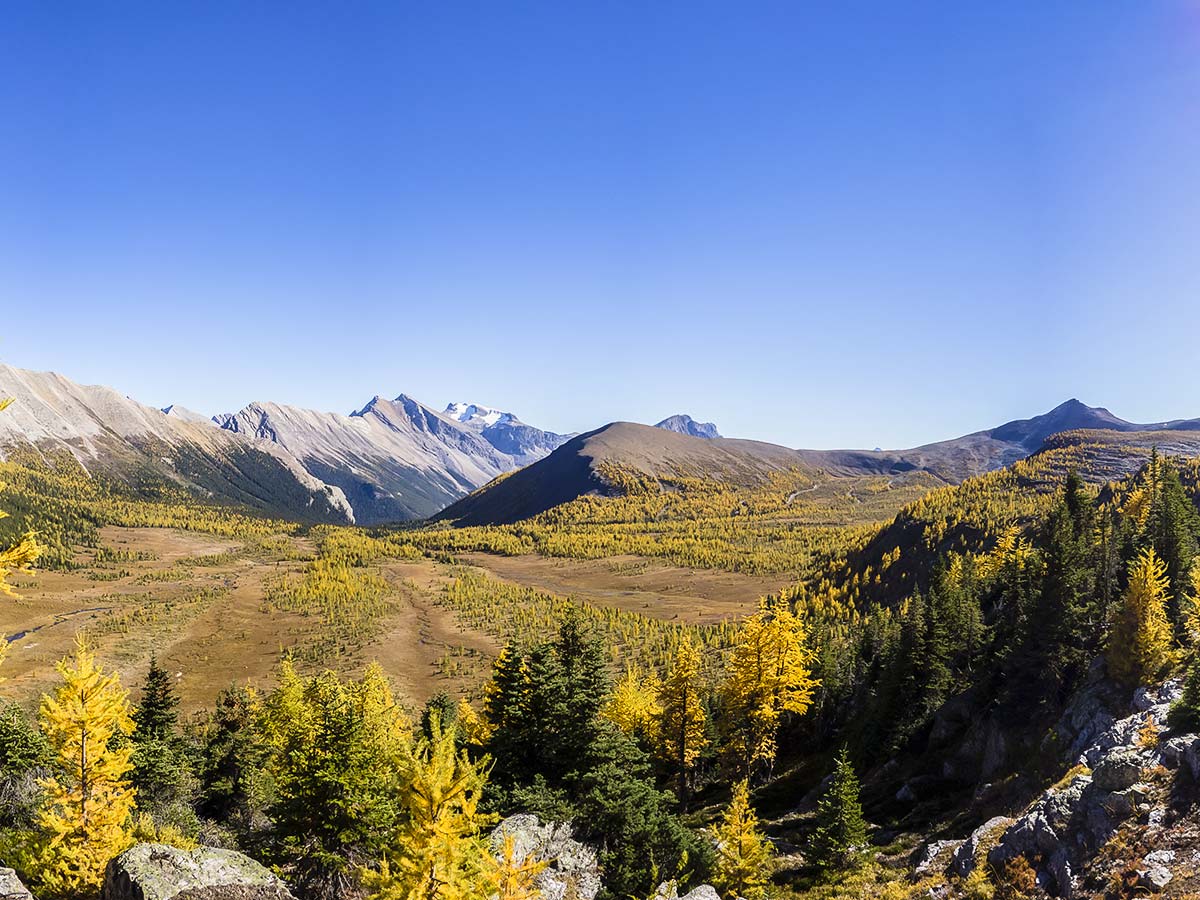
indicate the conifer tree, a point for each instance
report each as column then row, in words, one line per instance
column 841, row 833
column 1184, row 714
column 514, row 877
column 438, row 853
column 235, row 782
column 1139, row 641
column 337, row 769
column 86, row 817
column 682, row 730
column 768, row 674
column 157, row 715
column 162, row 770
column 634, row 706
column 744, row 855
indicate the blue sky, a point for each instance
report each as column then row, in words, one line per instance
column 821, row 224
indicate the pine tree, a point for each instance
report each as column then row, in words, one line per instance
column 744, row 856
column 86, row 818
column 768, row 674
column 1139, row 640
column 683, row 721
column 841, row 833
column 157, row 715
column 438, row 853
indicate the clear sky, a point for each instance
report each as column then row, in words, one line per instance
column 821, row 224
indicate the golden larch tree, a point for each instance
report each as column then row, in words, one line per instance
column 439, row 852
column 633, row 705
column 769, row 673
column 744, row 856
column 683, row 720
column 514, row 876
column 1139, row 641
column 86, row 818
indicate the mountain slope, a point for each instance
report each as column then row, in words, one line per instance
column 984, row 451
column 685, row 424
column 508, row 434
column 108, row 432
column 584, row 464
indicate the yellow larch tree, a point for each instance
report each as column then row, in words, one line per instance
column 768, row 673
column 86, row 819
column 439, row 853
column 744, row 856
column 1139, row 640
column 633, row 705
column 514, row 876
column 683, row 720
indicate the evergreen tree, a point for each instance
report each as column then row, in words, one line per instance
column 163, row 771
column 1171, row 530
column 86, row 817
column 337, row 770
column 24, row 759
column 157, row 716
column 841, row 833
column 1184, row 714
column 743, row 855
column 235, row 783
column 1139, row 641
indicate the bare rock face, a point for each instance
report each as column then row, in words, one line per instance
column 572, row 870
column 967, row 854
column 160, row 872
column 11, row 887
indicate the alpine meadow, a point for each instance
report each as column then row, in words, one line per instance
column 328, row 641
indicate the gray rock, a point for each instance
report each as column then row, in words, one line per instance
column 11, row 887
column 964, row 858
column 1154, row 874
column 573, row 870
column 160, row 872
column 932, row 852
column 1058, row 867
column 668, row 890
column 1174, row 751
column 1118, row 770
column 1044, row 827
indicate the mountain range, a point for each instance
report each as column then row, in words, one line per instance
column 400, row 460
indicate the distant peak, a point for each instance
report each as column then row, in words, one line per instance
column 476, row 415
column 685, row 424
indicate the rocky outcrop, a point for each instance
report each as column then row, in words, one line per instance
column 1067, row 824
column 572, row 870
column 161, row 872
column 11, row 887
column 969, row 851
column 668, row 890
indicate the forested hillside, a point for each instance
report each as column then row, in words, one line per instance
column 931, row 659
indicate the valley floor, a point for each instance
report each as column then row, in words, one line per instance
column 200, row 602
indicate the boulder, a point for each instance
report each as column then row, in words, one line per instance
column 572, row 869
column 11, row 887
column 931, row 853
column 161, row 872
column 668, row 890
column 967, row 854
column 1155, row 873
column 1120, row 769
